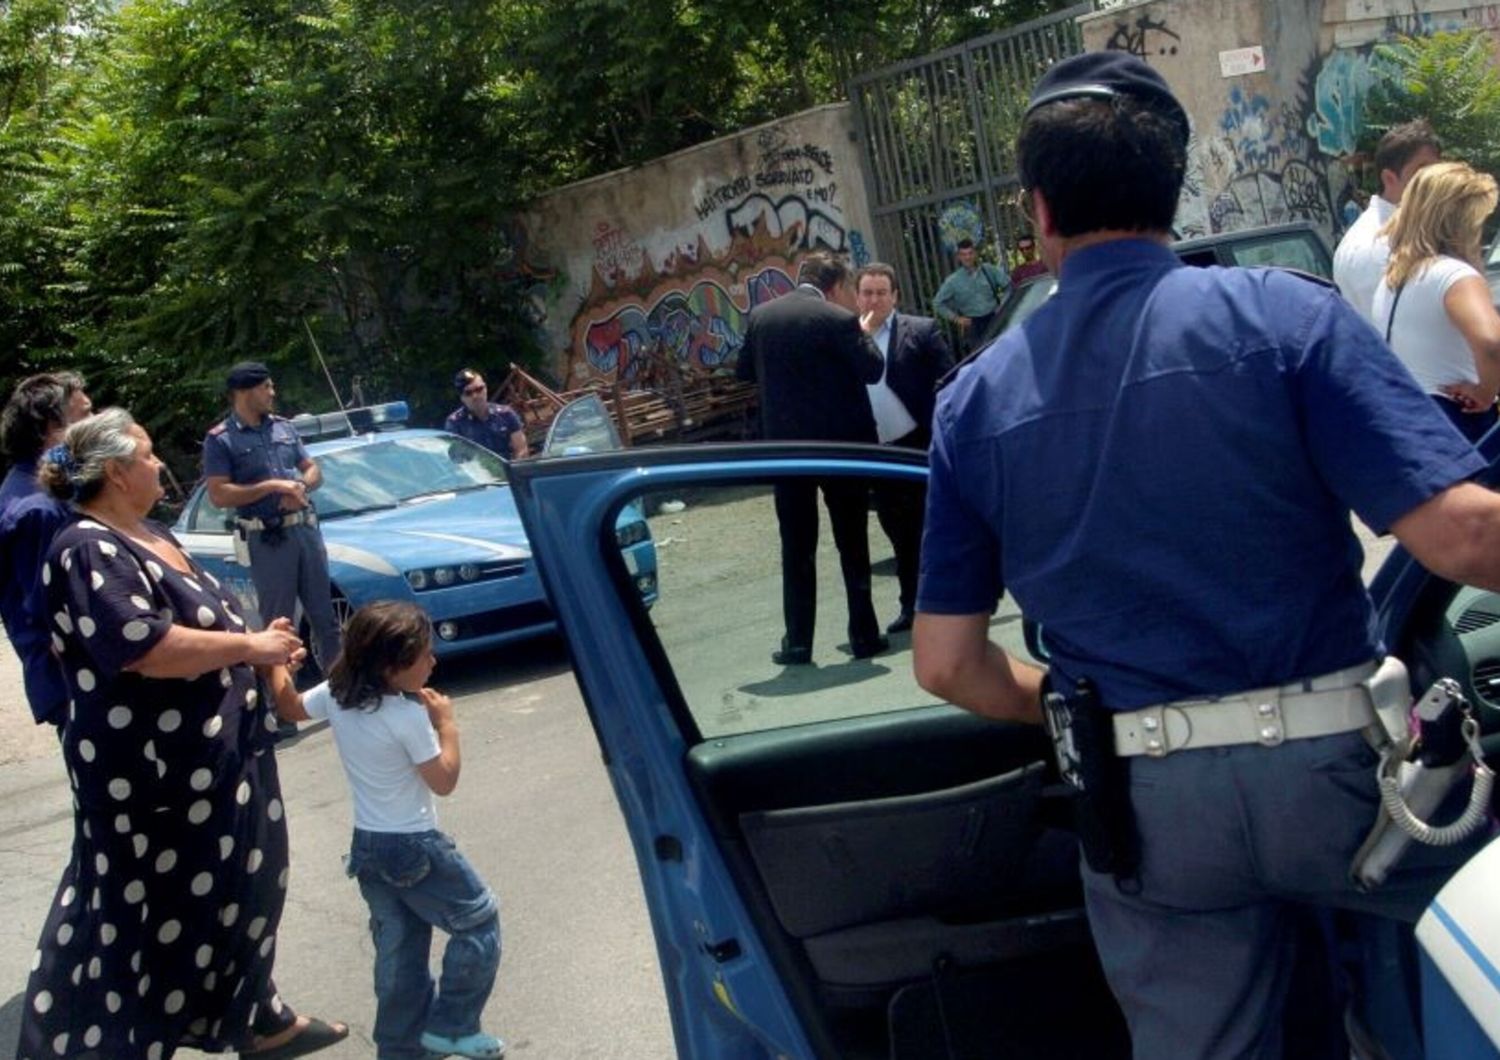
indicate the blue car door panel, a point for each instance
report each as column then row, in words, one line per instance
column 836, row 864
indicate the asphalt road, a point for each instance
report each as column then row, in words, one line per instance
column 533, row 811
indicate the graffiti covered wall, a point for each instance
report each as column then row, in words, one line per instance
column 670, row 257
column 1273, row 131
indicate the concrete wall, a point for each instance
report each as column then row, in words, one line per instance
column 672, row 254
column 1273, row 144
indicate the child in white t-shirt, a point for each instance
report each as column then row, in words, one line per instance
column 398, row 742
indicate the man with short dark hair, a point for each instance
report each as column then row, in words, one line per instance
column 970, row 295
column 916, row 357
column 1160, row 469
column 496, row 427
column 1360, row 260
column 254, row 462
column 1028, row 266
column 808, row 352
column 40, row 410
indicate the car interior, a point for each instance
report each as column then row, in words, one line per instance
column 909, row 864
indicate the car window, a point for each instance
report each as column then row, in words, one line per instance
column 1290, row 252
column 718, row 617
column 402, row 470
column 584, row 426
column 208, row 518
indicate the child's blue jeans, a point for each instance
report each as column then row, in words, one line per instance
column 412, row 883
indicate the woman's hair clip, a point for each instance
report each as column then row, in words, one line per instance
column 62, row 457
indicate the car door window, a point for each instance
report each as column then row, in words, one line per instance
column 718, row 617
column 1290, row 252
column 209, row 518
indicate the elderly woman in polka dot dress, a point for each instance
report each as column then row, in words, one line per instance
column 163, row 931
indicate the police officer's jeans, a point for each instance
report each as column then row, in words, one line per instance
column 295, row 566
column 1232, row 839
column 412, row 883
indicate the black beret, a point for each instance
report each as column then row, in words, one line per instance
column 247, row 374
column 1105, row 75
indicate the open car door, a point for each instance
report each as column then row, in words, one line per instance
column 836, row 864
column 582, row 426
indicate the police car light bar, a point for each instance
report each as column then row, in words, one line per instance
column 387, row 417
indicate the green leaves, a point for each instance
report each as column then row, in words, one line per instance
column 185, row 183
column 1448, row 78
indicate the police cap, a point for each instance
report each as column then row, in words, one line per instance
column 248, row 374
column 463, row 378
column 1107, row 75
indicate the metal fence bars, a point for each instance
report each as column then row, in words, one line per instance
column 938, row 135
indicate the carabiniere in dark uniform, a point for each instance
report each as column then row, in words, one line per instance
column 255, row 463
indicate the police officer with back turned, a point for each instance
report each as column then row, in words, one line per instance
column 254, row 462
column 1160, row 468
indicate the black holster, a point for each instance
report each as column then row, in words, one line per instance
column 1083, row 738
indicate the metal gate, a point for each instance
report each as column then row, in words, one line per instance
column 939, row 138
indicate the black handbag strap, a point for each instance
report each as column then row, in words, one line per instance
column 1390, row 321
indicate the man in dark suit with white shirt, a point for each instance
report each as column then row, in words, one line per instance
column 812, row 360
column 916, row 357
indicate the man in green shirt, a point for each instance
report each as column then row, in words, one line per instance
column 971, row 294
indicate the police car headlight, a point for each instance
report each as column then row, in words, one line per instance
column 469, row 571
column 417, row 579
column 632, row 534
column 444, row 575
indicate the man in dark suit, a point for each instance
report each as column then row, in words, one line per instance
column 812, row 360
column 916, row 357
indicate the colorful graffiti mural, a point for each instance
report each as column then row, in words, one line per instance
column 702, row 328
column 684, row 295
column 1342, row 85
column 959, row 221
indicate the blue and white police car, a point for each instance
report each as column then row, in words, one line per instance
column 425, row 516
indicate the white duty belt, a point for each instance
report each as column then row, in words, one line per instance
column 1318, row 706
column 307, row 516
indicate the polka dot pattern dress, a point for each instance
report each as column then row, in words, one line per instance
column 163, row 931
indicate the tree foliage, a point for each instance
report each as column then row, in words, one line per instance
column 187, row 183
column 1448, row 78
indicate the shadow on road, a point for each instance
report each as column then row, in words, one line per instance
column 10, row 1024
column 800, row 680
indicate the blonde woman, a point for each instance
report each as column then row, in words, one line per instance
column 1434, row 306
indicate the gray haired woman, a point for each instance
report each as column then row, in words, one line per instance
column 163, row 930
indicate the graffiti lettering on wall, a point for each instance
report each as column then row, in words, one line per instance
column 1342, row 85
column 1259, row 166
column 1144, row 37
column 702, row 328
column 616, row 255
column 1298, row 192
column 789, row 218
column 857, row 249
column 1249, row 125
column 685, row 294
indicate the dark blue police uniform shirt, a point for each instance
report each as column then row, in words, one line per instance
column 27, row 527
column 493, row 432
column 20, row 481
column 247, row 455
column 1159, row 466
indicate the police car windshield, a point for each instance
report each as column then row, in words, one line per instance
column 395, row 470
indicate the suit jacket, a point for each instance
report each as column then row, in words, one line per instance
column 812, row 362
column 916, row 358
